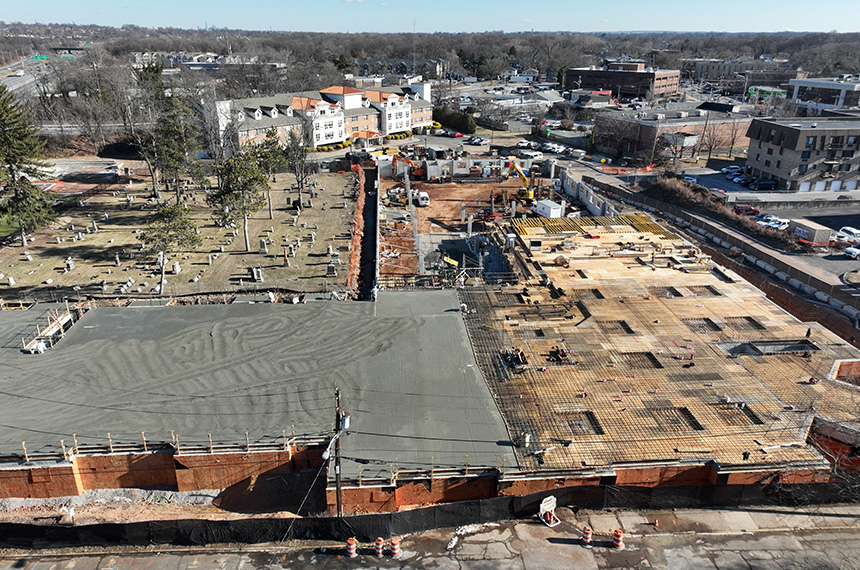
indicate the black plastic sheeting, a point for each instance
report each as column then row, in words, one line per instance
column 366, row 528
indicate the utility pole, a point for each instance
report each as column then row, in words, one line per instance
column 338, row 421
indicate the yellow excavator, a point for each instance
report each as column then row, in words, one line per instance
column 526, row 193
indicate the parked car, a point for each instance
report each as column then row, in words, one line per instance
column 763, row 184
column 743, row 180
column 746, row 210
column 523, row 144
column 845, row 197
column 728, row 169
column 691, row 179
column 852, row 252
column 778, row 224
column 851, row 235
column 767, row 218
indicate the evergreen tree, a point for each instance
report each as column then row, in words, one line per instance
column 21, row 160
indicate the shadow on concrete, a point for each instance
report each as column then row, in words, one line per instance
column 301, row 492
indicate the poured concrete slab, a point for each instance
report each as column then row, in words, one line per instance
column 404, row 366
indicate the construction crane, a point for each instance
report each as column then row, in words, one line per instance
column 526, row 193
column 415, row 170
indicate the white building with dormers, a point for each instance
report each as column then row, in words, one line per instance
column 327, row 117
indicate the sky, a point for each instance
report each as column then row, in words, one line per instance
column 447, row 15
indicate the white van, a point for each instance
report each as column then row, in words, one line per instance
column 423, row 199
column 532, row 154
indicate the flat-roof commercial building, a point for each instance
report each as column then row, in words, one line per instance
column 646, row 135
column 625, row 80
column 817, row 94
column 804, row 154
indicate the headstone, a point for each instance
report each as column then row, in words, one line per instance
column 263, row 249
column 11, row 281
column 329, row 250
column 116, row 260
column 210, row 260
column 176, row 268
column 330, row 270
column 28, row 257
column 59, row 239
column 70, row 264
column 106, row 217
column 335, row 258
column 257, row 274
column 95, row 227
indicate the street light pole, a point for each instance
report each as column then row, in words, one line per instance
column 338, row 420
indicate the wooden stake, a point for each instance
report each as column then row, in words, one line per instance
column 173, row 437
column 467, row 465
column 293, row 427
column 26, row 457
column 63, row 445
column 143, row 437
column 75, row 440
column 431, row 467
column 210, row 442
column 247, row 442
column 284, row 437
column 359, row 476
column 110, row 443
column 176, row 443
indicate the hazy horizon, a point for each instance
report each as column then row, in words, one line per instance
column 449, row 16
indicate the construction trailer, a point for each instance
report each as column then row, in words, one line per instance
column 548, row 209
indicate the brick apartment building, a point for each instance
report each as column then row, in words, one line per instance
column 625, row 79
column 805, row 154
column 326, row 117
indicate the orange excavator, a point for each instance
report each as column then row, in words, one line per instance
column 415, row 170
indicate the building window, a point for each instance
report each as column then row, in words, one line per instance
column 810, row 141
column 759, row 144
column 851, row 140
column 758, row 157
column 770, row 151
column 802, row 169
column 778, row 163
column 844, row 167
column 767, row 163
column 317, row 137
column 355, row 129
column 805, row 155
column 781, row 149
column 847, row 153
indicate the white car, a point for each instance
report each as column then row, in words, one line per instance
column 848, row 234
column 691, row 179
column 852, row 252
column 778, row 224
column 728, row 169
column 524, row 144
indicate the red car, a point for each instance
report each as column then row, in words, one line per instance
column 745, row 210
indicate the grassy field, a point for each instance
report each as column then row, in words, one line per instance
column 221, row 264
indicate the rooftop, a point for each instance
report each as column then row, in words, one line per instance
column 823, row 123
